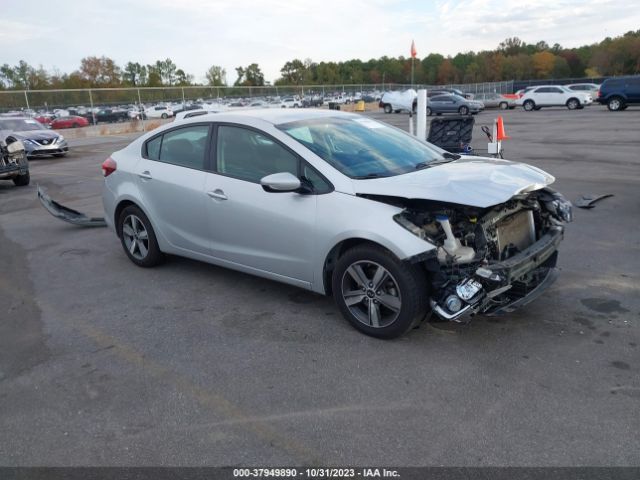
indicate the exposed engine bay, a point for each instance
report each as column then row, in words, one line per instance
column 488, row 260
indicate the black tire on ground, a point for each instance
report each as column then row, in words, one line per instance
column 164, row 116
column 75, row 125
column 22, row 180
column 615, row 104
column 573, row 104
column 387, row 108
column 405, row 288
column 429, row 112
column 463, row 110
column 153, row 254
column 529, row 105
column 503, row 105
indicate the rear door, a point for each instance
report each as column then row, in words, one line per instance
column 633, row 89
column 171, row 179
column 556, row 96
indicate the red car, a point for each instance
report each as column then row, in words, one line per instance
column 45, row 119
column 69, row 122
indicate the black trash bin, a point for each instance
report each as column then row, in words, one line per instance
column 452, row 134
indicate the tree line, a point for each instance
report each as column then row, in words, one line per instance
column 513, row 59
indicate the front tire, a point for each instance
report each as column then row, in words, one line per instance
column 138, row 238
column 429, row 112
column 529, row 105
column 573, row 104
column 463, row 110
column 377, row 293
column 22, row 180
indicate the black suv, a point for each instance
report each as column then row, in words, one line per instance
column 618, row 92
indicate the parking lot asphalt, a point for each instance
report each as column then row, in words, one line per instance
column 105, row 363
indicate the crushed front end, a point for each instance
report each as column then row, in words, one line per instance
column 490, row 260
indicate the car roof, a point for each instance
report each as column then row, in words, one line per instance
column 274, row 116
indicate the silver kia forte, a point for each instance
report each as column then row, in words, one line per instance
column 394, row 228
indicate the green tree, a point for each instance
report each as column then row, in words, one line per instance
column 135, row 74
column 250, row 76
column 216, row 76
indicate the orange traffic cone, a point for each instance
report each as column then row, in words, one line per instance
column 501, row 135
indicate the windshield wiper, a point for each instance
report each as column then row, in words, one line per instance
column 369, row 175
column 452, row 156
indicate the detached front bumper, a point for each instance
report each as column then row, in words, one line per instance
column 502, row 287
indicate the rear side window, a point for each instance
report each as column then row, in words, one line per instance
column 185, row 147
column 153, row 148
column 614, row 83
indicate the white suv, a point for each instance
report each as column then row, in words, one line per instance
column 553, row 96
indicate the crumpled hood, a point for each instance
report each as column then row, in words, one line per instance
column 478, row 182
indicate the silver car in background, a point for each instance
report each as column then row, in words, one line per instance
column 393, row 227
column 38, row 140
column 495, row 100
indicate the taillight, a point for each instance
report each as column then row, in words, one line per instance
column 108, row 167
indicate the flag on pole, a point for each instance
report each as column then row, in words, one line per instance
column 413, row 49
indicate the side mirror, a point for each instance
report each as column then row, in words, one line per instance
column 281, row 182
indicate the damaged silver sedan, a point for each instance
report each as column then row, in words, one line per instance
column 393, row 227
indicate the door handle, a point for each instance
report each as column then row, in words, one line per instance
column 146, row 175
column 217, row 193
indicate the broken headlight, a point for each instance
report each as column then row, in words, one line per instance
column 559, row 207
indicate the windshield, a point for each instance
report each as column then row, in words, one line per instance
column 362, row 148
column 20, row 124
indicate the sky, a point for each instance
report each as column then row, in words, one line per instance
column 196, row 34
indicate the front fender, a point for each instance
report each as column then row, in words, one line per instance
column 343, row 217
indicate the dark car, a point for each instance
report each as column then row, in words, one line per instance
column 452, row 91
column 37, row 139
column 108, row 116
column 452, row 104
column 619, row 92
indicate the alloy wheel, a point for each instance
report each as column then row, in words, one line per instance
column 136, row 237
column 371, row 294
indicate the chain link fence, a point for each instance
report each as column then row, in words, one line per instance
column 32, row 101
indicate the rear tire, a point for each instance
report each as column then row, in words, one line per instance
column 387, row 108
column 394, row 296
column 503, row 105
column 138, row 238
column 22, row 180
column 164, row 116
column 463, row 110
column 529, row 105
column 429, row 112
column 615, row 104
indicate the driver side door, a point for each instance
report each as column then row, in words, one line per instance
column 268, row 232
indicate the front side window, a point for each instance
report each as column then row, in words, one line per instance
column 362, row 148
column 249, row 155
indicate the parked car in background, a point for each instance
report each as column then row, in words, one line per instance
column 71, row 121
column 398, row 101
column 159, row 111
column 450, row 103
column 107, row 115
column 618, row 93
column 38, row 140
column 522, row 91
column 342, row 205
column 553, row 96
column 591, row 88
column 291, row 102
column 14, row 164
column 45, row 118
column 495, row 100
column 454, row 91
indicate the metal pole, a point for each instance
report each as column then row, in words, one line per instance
column 421, row 111
column 183, row 103
column 26, row 99
column 93, row 114
column 141, row 109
